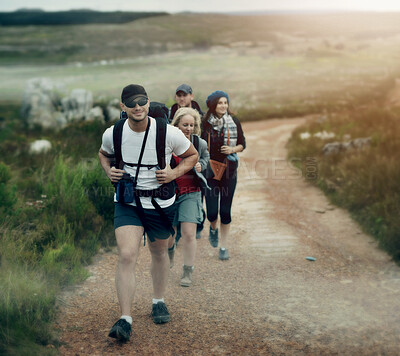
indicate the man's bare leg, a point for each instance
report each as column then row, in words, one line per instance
column 128, row 242
column 159, row 266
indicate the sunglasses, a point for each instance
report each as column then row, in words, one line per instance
column 140, row 101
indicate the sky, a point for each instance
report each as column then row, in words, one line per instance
column 174, row 6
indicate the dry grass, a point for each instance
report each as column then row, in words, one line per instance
column 363, row 181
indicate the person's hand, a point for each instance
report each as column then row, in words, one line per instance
column 227, row 150
column 197, row 167
column 165, row 175
column 115, row 174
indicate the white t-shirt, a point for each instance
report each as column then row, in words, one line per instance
column 131, row 145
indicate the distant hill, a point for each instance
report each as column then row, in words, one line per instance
column 24, row 17
column 29, row 10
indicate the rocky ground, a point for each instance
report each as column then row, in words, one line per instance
column 268, row 299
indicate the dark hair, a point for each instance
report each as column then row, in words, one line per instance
column 211, row 110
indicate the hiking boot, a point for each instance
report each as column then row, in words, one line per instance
column 186, row 279
column 171, row 254
column 223, row 254
column 160, row 313
column 121, row 330
column 213, row 237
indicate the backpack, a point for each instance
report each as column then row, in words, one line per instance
column 158, row 110
column 196, row 142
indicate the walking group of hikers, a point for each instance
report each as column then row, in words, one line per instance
column 161, row 173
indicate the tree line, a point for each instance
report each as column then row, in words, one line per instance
column 72, row 17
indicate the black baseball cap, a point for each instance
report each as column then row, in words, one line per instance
column 132, row 92
column 187, row 89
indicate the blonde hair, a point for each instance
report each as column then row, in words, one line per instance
column 187, row 111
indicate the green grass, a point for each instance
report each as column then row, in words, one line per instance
column 56, row 210
column 26, row 305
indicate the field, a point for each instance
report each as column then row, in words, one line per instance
column 283, row 65
column 55, row 209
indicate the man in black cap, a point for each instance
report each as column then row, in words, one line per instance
column 152, row 209
column 184, row 99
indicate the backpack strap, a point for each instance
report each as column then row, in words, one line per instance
column 160, row 142
column 117, row 138
column 196, row 142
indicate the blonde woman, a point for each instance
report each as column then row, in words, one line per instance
column 189, row 210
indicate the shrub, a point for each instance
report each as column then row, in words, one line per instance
column 68, row 198
column 7, row 192
column 100, row 192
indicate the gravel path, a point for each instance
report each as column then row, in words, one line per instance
column 267, row 299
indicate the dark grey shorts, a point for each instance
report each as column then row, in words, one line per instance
column 127, row 215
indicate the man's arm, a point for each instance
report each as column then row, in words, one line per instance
column 113, row 173
column 190, row 158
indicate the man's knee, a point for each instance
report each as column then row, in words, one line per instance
column 158, row 248
column 128, row 240
column 128, row 256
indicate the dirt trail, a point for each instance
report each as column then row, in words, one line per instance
column 267, row 299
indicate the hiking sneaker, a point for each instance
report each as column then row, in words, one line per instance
column 160, row 313
column 213, row 237
column 223, row 254
column 121, row 330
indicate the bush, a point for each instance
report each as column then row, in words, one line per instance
column 48, row 244
column 100, row 192
column 7, row 192
column 51, row 224
column 80, row 140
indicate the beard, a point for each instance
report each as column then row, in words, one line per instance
column 138, row 118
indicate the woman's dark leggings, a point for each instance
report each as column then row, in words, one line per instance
column 223, row 191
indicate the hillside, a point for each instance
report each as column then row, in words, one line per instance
column 265, row 35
